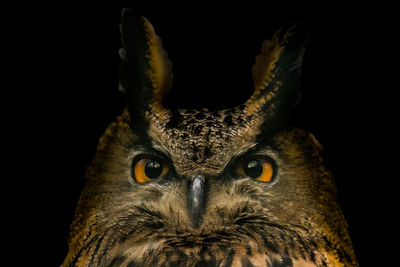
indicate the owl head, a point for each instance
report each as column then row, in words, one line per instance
column 234, row 187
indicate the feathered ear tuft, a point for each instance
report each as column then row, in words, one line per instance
column 276, row 73
column 146, row 71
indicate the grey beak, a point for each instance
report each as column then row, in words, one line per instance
column 196, row 199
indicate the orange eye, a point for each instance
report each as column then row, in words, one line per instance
column 148, row 169
column 258, row 169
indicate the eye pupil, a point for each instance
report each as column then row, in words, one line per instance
column 153, row 169
column 253, row 168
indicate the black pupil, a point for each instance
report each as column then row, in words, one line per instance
column 253, row 168
column 153, row 169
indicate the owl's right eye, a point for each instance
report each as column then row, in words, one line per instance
column 148, row 169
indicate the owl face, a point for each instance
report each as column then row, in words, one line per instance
column 235, row 187
column 144, row 200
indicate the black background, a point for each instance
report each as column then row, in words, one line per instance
column 73, row 59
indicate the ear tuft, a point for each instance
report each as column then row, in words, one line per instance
column 145, row 71
column 280, row 55
column 276, row 72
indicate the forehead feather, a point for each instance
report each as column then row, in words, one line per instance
column 201, row 138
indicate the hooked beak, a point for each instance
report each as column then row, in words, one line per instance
column 196, row 199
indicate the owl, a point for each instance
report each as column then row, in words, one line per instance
column 186, row 187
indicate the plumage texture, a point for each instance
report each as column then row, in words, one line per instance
column 294, row 220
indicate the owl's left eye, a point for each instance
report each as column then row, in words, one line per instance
column 260, row 169
column 148, row 169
